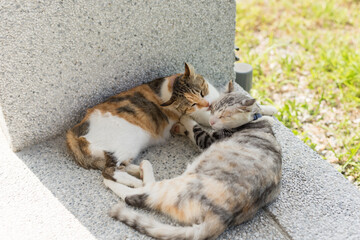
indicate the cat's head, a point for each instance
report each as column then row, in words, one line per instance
column 233, row 109
column 189, row 92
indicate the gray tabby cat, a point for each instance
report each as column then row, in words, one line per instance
column 227, row 184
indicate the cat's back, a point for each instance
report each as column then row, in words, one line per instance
column 128, row 121
column 242, row 173
column 139, row 106
column 256, row 147
column 259, row 135
column 250, row 155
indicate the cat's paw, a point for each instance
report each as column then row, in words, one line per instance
column 178, row 129
column 145, row 164
column 187, row 122
column 268, row 110
column 108, row 183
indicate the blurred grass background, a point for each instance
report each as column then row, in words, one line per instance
column 306, row 61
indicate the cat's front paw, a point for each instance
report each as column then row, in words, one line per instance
column 188, row 122
column 178, row 129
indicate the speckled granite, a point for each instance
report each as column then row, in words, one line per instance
column 28, row 210
column 315, row 202
column 60, row 57
column 82, row 192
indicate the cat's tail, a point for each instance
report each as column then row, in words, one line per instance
column 79, row 147
column 268, row 110
column 210, row 228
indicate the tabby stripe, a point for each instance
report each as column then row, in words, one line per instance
column 81, row 129
column 260, row 144
column 145, row 105
column 223, row 133
column 197, row 128
column 268, row 147
column 262, row 124
column 257, row 137
column 118, row 98
column 135, row 222
column 193, row 192
column 263, row 143
column 202, row 139
column 126, row 109
column 156, row 85
column 149, row 107
column 224, row 215
column 218, row 134
column 137, row 200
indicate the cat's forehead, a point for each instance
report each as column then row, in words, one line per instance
column 183, row 85
column 229, row 99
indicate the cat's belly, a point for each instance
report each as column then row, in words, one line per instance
column 116, row 135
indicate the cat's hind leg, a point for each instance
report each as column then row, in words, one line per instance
column 147, row 173
column 122, row 190
column 133, row 170
column 111, row 168
column 124, row 178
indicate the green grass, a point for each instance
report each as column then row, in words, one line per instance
column 306, row 60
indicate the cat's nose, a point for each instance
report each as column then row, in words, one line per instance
column 211, row 122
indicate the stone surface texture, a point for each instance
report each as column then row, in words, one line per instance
column 60, row 57
column 316, row 202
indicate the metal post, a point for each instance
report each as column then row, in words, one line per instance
column 243, row 75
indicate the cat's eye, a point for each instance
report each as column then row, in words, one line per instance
column 202, row 94
column 194, row 104
column 225, row 115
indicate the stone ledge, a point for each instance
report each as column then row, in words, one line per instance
column 316, row 202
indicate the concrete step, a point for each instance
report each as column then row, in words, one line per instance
column 45, row 195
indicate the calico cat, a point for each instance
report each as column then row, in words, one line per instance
column 114, row 132
column 227, row 184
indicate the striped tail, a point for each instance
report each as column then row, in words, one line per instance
column 209, row 229
column 76, row 145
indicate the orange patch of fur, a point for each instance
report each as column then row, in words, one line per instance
column 168, row 196
column 141, row 119
column 196, row 99
column 216, row 191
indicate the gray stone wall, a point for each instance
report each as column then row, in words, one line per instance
column 60, row 57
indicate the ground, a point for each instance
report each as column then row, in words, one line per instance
column 306, row 61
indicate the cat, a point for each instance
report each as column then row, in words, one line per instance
column 113, row 133
column 245, row 114
column 226, row 184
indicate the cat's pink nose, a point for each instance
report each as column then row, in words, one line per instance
column 212, row 122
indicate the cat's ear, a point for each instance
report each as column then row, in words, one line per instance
column 168, row 103
column 230, row 87
column 248, row 102
column 189, row 71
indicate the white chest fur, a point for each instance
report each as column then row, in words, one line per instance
column 116, row 135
